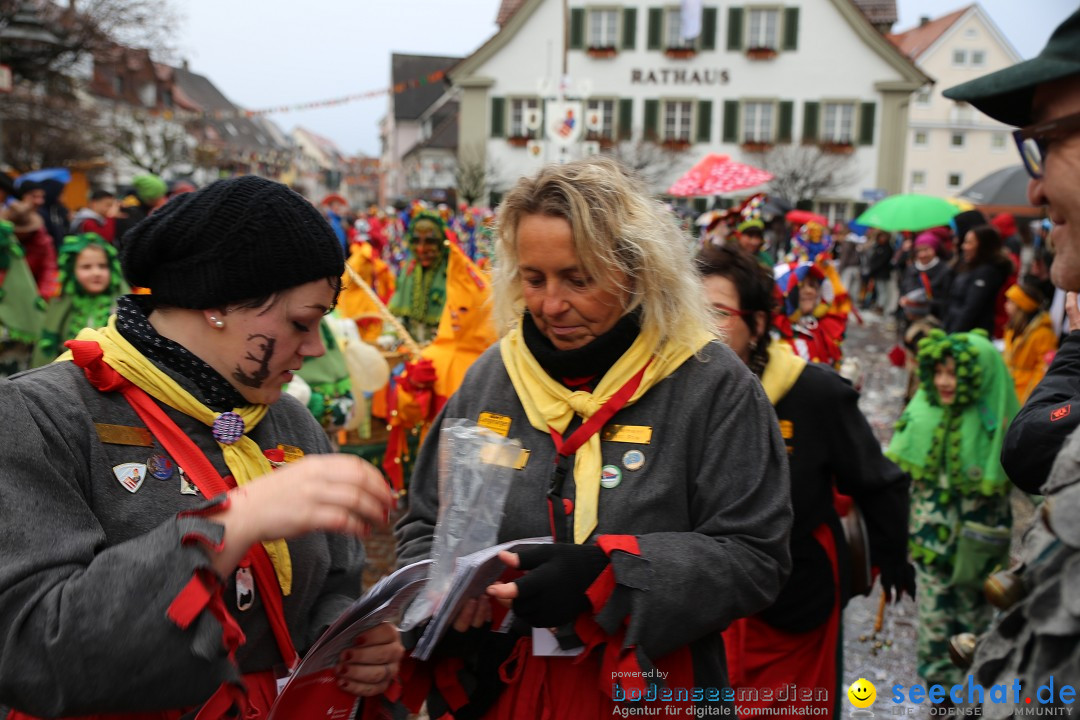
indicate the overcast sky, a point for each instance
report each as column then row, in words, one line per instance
column 267, row 53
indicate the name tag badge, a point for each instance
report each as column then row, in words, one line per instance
column 499, row 424
column 124, row 435
column 508, row 457
column 636, row 434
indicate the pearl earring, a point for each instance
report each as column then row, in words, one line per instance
column 217, row 323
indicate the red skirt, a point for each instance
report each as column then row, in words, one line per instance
column 764, row 663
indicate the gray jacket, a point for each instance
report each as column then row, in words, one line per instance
column 710, row 507
column 88, row 569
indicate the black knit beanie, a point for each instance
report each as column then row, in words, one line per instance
column 234, row 240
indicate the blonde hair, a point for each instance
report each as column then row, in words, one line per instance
column 617, row 229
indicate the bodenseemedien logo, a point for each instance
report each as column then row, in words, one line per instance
column 862, row 695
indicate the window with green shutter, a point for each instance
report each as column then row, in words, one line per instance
column 791, row 28
column 629, row 28
column 704, row 121
column 708, row 28
column 731, row 121
column 626, row 118
column 866, row 123
column 735, row 28
column 577, row 28
column 656, row 29
column 786, row 120
column 498, row 117
column 810, row 122
column 652, row 119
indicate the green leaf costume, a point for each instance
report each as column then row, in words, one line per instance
column 21, row 308
column 75, row 309
column 953, row 452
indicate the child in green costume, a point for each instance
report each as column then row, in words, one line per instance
column 949, row 439
column 90, row 282
column 21, row 308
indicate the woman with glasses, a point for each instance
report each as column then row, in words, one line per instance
column 830, row 448
column 421, row 285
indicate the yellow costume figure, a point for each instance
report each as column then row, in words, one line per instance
column 354, row 303
column 465, row 332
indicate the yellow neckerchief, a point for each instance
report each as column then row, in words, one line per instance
column 782, row 370
column 243, row 458
column 549, row 404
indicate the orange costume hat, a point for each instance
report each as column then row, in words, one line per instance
column 465, row 332
column 354, row 302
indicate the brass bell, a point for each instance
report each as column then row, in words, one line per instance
column 1005, row 588
column 962, row 649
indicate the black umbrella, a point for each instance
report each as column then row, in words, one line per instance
column 1007, row 186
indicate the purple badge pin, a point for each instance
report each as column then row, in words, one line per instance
column 228, row 428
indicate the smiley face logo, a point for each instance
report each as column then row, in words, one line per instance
column 862, row 693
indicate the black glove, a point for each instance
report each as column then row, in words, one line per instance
column 897, row 577
column 552, row 592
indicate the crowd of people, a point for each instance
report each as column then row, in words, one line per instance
column 178, row 528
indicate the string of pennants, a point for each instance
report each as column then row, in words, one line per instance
column 397, row 89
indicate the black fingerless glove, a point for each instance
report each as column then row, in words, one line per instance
column 897, row 577
column 552, row 591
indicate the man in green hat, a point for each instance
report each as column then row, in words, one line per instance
column 1038, row 633
column 1042, row 97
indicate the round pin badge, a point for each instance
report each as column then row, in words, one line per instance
column 610, row 476
column 633, row 459
column 228, row 428
column 160, row 467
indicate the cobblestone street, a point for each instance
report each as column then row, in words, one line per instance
column 886, row 658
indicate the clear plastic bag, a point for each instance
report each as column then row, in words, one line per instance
column 475, row 469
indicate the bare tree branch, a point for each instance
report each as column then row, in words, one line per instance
column 651, row 161
column 804, row 172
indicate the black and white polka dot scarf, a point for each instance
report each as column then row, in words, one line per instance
column 132, row 323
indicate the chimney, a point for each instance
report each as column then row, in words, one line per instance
column 184, row 64
column 924, row 20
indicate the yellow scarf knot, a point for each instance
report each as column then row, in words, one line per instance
column 244, row 458
column 583, row 403
column 548, row 404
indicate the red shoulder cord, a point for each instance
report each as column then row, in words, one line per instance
column 89, row 356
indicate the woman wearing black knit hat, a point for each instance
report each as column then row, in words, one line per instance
column 174, row 531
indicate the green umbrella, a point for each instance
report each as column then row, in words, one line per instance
column 908, row 212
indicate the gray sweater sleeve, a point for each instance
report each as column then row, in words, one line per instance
column 734, row 558
column 83, row 625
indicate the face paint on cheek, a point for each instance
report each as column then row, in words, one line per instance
column 261, row 359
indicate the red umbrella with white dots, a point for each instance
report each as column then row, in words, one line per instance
column 718, row 174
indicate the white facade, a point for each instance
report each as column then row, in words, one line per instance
column 951, row 145
column 830, row 77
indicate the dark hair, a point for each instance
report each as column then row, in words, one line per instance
column 101, row 194
column 988, row 250
column 753, row 282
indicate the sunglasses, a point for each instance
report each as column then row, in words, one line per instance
column 1033, row 141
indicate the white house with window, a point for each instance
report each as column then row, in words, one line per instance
column 950, row 146
column 757, row 78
